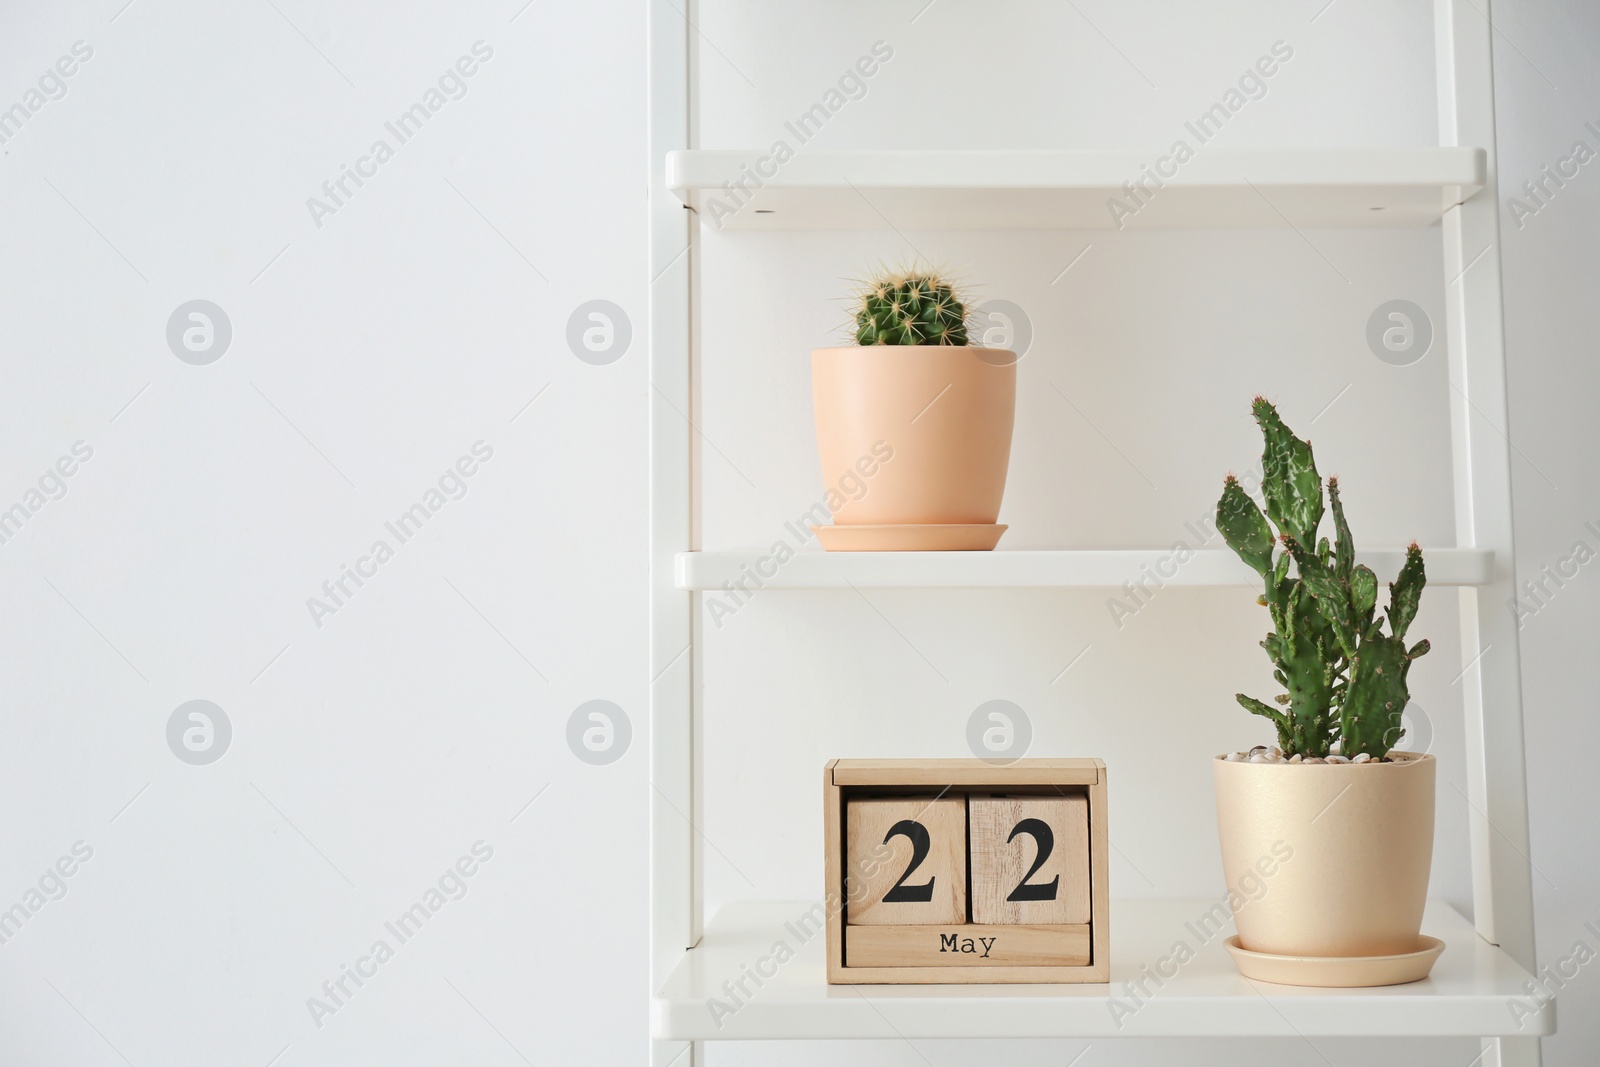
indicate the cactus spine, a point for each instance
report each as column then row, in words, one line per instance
column 1344, row 678
column 910, row 308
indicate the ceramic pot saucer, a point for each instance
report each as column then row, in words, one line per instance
column 1337, row 971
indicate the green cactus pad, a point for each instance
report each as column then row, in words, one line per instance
column 1289, row 477
column 1244, row 527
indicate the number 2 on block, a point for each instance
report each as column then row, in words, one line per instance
column 917, row 834
column 1045, row 838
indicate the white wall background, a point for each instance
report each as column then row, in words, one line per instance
column 374, row 351
column 1546, row 88
column 370, row 352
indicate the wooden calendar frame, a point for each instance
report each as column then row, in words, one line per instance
column 846, row 778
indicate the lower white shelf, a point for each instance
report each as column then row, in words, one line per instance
column 1475, row 989
column 1082, row 568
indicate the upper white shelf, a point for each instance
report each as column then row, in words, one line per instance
column 1083, row 568
column 1265, row 188
column 1474, row 990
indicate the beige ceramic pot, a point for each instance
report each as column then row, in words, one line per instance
column 944, row 415
column 1327, row 859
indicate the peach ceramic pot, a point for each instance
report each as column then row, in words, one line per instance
column 941, row 413
column 1327, row 859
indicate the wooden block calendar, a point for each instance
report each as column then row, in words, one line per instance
column 960, row 870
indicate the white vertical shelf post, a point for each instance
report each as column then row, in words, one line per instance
column 1497, row 786
column 674, row 914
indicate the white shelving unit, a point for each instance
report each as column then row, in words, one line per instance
column 1488, row 960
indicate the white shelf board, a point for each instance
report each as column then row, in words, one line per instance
column 1262, row 188
column 1469, row 993
column 1082, row 568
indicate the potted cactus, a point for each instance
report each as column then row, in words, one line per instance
column 1355, row 814
column 913, row 388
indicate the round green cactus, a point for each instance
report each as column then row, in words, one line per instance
column 911, row 308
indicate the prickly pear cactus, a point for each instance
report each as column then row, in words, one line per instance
column 910, row 308
column 1344, row 679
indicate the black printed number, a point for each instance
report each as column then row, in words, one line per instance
column 917, row 834
column 1042, row 836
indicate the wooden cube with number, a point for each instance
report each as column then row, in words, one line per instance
column 1030, row 859
column 906, row 861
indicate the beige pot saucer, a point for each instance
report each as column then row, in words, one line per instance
column 1337, row 971
column 973, row 537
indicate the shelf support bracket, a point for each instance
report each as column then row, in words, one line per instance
column 674, row 907
column 1496, row 786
